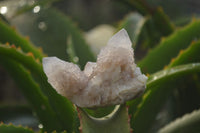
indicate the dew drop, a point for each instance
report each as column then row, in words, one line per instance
column 36, row 9
column 42, row 26
column 3, row 10
column 40, row 126
column 155, row 77
column 193, row 65
column 76, row 59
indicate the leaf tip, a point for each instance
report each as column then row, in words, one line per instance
column 147, row 75
column 13, row 46
column 172, row 60
column 40, row 49
column 7, row 44
column 13, row 28
column 10, row 124
column 165, row 67
column 30, row 54
column 193, row 42
column 27, row 38
column 194, row 19
column 163, row 39
column 19, row 48
column 181, row 51
column 37, row 60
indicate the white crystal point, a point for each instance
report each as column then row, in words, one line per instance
column 113, row 79
column 121, row 38
column 65, row 77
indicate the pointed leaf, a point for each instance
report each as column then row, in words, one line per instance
column 162, row 22
column 190, row 55
column 14, row 129
column 133, row 23
column 71, row 52
column 158, row 90
column 116, row 122
column 62, row 107
column 189, row 123
column 9, row 35
column 32, row 93
column 161, row 55
column 25, row 8
column 54, row 28
column 160, row 19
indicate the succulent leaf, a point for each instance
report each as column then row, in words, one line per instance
column 49, row 29
column 14, row 129
column 9, row 35
column 31, row 90
column 159, row 87
column 61, row 106
column 159, row 57
column 116, row 122
column 190, row 55
column 187, row 123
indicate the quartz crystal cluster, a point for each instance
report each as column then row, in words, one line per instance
column 113, row 79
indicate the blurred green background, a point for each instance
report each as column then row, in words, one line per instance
column 42, row 22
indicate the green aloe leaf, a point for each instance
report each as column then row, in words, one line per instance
column 160, row 19
column 189, row 123
column 162, row 22
column 133, row 23
column 148, row 38
column 141, row 6
column 71, row 52
column 149, row 29
column 116, row 122
column 187, row 94
column 189, row 55
column 160, row 56
column 142, row 31
column 81, row 49
column 62, row 107
column 25, row 8
column 14, row 129
column 173, row 72
column 32, row 93
column 10, row 35
column 158, row 90
column 2, row 18
column 100, row 112
column 51, row 29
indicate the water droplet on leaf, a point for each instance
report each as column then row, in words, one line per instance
column 76, row 59
column 42, row 26
column 3, row 10
column 40, row 126
column 36, row 9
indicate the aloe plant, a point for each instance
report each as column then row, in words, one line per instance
column 111, row 95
